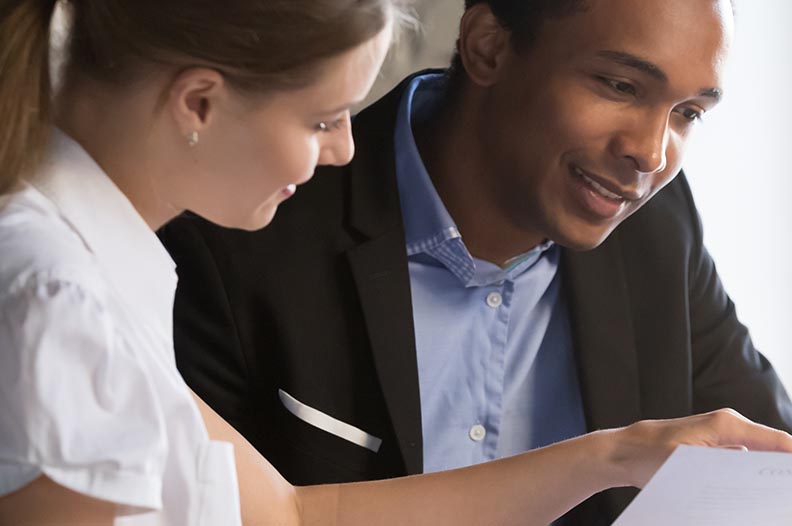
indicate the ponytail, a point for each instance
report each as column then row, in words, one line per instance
column 25, row 97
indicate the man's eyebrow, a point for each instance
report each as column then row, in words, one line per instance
column 713, row 93
column 631, row 61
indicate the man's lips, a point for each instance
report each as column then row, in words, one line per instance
column 604, row 187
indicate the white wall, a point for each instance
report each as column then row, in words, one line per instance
column 740, row 170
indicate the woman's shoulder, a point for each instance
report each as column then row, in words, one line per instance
column 67, row 373
column 39, row 246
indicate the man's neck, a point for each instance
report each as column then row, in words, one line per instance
column 450, row 148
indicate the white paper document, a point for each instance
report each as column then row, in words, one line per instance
column 716, row 487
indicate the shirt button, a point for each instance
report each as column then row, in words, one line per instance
column 477, row 433
column 494, row 299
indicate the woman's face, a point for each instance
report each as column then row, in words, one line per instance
column 253, row 156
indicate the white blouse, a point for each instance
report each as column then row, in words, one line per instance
column 89, row 391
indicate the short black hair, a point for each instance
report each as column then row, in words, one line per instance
column 523, row 18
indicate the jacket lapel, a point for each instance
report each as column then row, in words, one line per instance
column 379, row 266
column 604, row 340
column 603, row 335
column 384, row 292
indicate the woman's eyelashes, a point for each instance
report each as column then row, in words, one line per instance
column 329, row 126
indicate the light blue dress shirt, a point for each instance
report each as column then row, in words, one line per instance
column 495, row 358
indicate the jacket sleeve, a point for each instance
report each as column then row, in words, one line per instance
column 727, row 369
column 208, row 350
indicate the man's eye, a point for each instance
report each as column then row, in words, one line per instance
column 692, row 115
column 620, row 87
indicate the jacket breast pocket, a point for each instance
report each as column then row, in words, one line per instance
column 310, row 446
column 329, row 424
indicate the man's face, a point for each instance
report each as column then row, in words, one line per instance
column 591, row 121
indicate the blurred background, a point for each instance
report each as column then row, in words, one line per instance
column 736, row 163
column 742, row 179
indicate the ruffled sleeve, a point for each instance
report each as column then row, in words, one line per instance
column 75, row 404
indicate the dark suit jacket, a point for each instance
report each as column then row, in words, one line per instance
column 318, row 304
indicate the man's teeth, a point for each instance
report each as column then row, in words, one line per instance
column 604, row 192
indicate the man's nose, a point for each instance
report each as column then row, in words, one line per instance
column 644, row 143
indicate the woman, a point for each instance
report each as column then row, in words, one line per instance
column 222, row 109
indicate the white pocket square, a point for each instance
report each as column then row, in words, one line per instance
column 329, row 424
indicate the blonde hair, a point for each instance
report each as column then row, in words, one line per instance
column 24, row 87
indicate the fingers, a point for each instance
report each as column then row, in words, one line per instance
column 733, row 430
column 735, row 448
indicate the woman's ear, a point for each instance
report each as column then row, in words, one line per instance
column 484, row 45
column 194, row 98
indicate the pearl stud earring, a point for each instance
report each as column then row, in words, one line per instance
column 192, row 138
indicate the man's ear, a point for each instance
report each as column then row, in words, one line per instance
column 194, row 98
column 483, row 45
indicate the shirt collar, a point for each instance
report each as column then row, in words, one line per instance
column 126, row 249
column 426, row 219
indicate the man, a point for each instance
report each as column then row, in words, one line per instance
column 470, row 286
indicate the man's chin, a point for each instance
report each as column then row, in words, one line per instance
column 583, row 239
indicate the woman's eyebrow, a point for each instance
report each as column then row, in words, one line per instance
column 344, row 107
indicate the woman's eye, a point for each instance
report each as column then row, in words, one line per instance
column 330, row 126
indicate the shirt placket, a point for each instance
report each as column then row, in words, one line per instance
column 498, row 301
